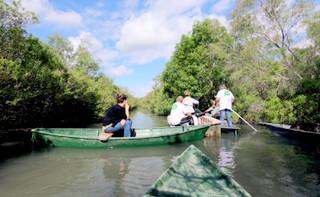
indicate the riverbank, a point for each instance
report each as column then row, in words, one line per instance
column 14, row 142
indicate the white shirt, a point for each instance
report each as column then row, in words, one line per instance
column 178, row 111
column 189, row 102
column 225, row 99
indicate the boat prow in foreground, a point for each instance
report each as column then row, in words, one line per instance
column 88, row 137
column 194, row 174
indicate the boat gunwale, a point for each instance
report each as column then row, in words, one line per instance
column 116, row 138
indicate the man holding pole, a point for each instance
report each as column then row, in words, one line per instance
column 225, row 99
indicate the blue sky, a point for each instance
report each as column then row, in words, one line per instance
column 132, row 40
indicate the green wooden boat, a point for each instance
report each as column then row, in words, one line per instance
column 194, row 174
column 88, row 137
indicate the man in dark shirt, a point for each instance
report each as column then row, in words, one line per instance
column 117, row 117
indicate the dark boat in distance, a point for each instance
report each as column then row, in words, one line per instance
column 286, row 130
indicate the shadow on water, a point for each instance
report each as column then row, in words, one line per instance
column 287, row 167
column 266, row 164
column 85, row 172
column 14, row 143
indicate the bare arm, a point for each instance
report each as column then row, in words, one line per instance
column 127, row 111
column 194, row 101
column 216, row 103
column 209, row 109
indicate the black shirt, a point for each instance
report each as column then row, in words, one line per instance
column 114, row 115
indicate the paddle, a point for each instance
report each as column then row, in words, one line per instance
column 244, row 120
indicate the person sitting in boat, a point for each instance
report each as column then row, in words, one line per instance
column 179, row 114
column 117, row 117
column 214, row 109
column 190, row 102
column 225, row 99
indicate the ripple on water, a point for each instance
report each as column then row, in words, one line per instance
column 140, row 173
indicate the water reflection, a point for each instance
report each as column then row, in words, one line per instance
column 268, row 161
column 133, row 171
column 140, row 175
column 263, row 163
column 221, row 151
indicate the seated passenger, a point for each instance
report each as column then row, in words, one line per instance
column 214, row 109
column 117, row 117
column 189, row 102
column 179, row 113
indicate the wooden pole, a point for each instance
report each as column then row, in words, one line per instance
column 244, row 120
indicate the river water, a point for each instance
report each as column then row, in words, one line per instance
column 264, row 163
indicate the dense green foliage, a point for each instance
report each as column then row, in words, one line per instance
column 49, row 86
column 194, row 67
column 258, row 58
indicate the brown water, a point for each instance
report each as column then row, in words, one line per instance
column 263, row 163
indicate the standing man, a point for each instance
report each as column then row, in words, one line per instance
column 225, row 99
column 117, row 117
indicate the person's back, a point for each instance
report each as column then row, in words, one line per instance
column 114, row 115
column 189, row 102
column 177, row 113
column 225, row 99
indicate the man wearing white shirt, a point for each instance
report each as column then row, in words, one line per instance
column 225, row 99
column 179, row 113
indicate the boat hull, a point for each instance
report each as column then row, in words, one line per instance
column 194, row 174
column 208, row 120
column 88, row 138
column 292, row 133
column 229, row 130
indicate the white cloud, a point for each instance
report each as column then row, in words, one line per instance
column 46, row 11
column 93, row 13
column 64, row 19
column 222, row 19
column 128, row 34
column 222, row 6
column 119, row 71
column 106, row 25
column 167, row 8
column 154, row 32
column 303, row 43
column 95, row 47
